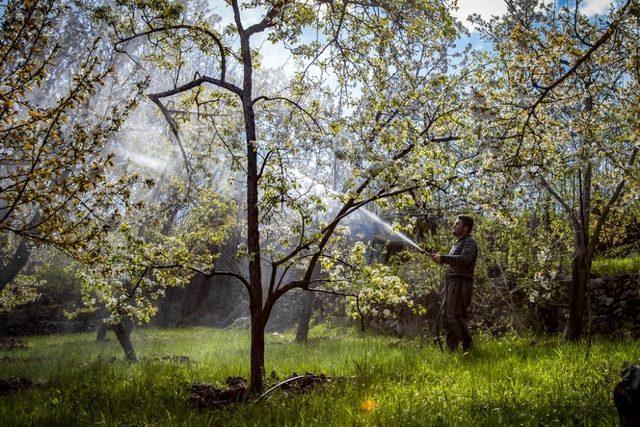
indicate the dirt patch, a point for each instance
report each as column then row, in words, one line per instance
column 303, row 383
column 14, row 384
column 11, row 344
column 174, row 358
column 167, row 358
column 10, row 359
column 207, row 396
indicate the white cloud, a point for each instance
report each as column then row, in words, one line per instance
column 595, row 7
column 489, row 8
column 484, row 8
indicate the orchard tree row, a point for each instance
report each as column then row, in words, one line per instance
column 139, row 136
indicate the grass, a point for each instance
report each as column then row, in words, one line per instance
column 507, row 381
column 616, row 266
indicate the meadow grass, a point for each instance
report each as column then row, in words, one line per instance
column 616, row 266
column 376, row 380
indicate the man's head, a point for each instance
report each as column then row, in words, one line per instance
column 463, row 226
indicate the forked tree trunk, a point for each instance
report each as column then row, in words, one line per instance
column 582, row 255
column 304, row 317
column 580, row 273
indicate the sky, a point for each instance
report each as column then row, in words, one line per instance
column 488, row 8
column 276, row 56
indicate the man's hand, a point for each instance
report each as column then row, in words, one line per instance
column 435, row 257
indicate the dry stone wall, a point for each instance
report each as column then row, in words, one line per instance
column 615, row 305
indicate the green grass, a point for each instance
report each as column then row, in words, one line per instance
column 616, row 266
column 508, row 381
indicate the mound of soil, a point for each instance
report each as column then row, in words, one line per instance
column 303, row 383
column 207, row 396
column 177, row 359
column 14, row 384
column 167, row 358
column 11, row 343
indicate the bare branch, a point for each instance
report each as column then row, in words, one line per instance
column 614, row 198
column 212, row 273
column 329, row 291
column 569, row 211
column 212, row 35
column 295, row 104
column 199, row 81
column 266, row 22
column 174, row 130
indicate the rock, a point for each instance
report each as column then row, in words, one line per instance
column 242, row 322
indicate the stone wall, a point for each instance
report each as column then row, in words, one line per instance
column 615, row 305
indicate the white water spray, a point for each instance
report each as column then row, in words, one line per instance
column 388, row 227
column 155, row 163
column 362, row 210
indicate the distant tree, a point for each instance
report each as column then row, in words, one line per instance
column 156, row 247
column 557, row 103
column 54, row 127
column 178, row 217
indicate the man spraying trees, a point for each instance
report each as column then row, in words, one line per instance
column 461, row 262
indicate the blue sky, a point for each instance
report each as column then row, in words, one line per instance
column 275, row 56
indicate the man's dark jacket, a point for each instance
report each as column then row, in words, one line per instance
column 462, row 258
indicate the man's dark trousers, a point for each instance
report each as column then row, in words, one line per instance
column 456, row 313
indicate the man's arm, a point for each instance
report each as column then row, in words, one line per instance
column 469, row 253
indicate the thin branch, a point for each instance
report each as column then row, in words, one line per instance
column 328, row 291
column 614, row 198
column 295, row 104
column 135, row 287
column 216, row 39
column 199, row 81
column 174, row 130
column 264, row 163
column 236, row 17
column 570, row 212
column 212, row 273
column 266, row 22
column 584, row 58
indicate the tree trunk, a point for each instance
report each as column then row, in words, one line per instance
column 9, row 272
column 258, row 319
column 257, row 353
column 581, row 263
column 580, row 273
column 306, row 310
column 124, row 338
column 259, row 316
column 15, row 264
column 102, row 332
